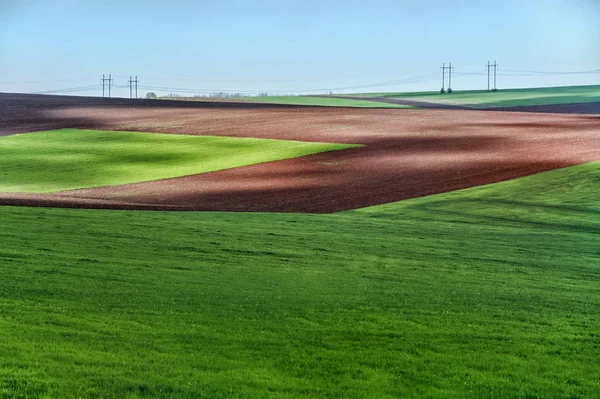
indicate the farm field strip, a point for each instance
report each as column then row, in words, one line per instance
column 405, row 154
column 501, row 98
column 324, row 102
column 68, row 159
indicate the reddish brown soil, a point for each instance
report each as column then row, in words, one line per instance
column 407, row 153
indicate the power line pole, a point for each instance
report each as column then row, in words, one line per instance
column 488, row 69
column 450, row 78
column 131, row 84
column 495, row 70
column 104, row 81
column 443, row 78
column 449, row 68
column 489, row 66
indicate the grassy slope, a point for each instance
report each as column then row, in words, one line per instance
column 508, row 97
column 491, row 292
column 69, row 159
column 322, row 101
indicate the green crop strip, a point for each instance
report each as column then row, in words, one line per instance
column 67, row 159
column 505, row 98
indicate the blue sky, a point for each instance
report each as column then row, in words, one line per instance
column 294, row 46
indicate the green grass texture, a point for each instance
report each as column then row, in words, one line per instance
column 324, row 102
column 489, row 292
column 68, row 159
column 506, row 98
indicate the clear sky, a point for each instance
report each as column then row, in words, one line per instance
column 293, row 46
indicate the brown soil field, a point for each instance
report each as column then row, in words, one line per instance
column 407, row 153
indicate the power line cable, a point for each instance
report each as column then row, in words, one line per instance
column 414, row 79
column 400, row 81
column 256, row 80
column 45, row 81
column 553, row 72
column 68, row 90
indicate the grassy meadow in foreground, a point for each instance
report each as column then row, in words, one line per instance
column 491, row 292
column 70, row 159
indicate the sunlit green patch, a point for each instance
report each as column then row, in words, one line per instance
column 66, row 159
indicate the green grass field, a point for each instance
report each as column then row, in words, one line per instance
column 505, row 97
column 490, row 292
column 324, row 102
column 70, row 159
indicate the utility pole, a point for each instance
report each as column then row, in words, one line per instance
column 495, row 66
column 443, row 78
column 449, row 68
column 495, row 69
column 450, row 78
column 488, row 69
column 489, row 66
column 104, row 80
column 131, row 83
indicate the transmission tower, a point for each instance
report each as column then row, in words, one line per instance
column 133, row 83
column 449, row 68
column 450, row 78
column 443, row 78
column 495, row 70
column 104, row 80
column 489, row 67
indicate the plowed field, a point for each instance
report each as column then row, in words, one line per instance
column 407, row 152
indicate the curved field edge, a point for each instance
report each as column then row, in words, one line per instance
column 490, row 292
column 68, row 159
column 554, row 188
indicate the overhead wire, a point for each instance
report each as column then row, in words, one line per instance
column 553, row 72
column 254, row 80
column 45, row 81
column 512, row 72
column 396, row 82
column 409, row 80
column 69, row 90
